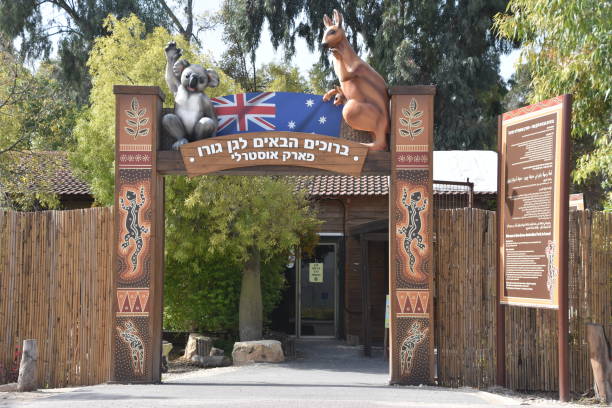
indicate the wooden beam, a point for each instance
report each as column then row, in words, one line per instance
column 365, row 297
column 170, row 162
column 372, row 226
column 412, row 90
column 377, row 236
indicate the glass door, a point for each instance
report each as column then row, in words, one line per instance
column 317, row 292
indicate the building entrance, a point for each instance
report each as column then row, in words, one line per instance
column 317, row 292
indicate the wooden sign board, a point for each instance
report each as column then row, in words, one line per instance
column 274, row 149
column 533, row 195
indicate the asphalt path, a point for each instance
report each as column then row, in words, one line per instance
column 325, row 374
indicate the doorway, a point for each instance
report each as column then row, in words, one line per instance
column 317, row 292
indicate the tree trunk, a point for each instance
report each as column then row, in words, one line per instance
column 250, row 317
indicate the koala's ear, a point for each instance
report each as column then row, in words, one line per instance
column 213, row 78
column 179, row 66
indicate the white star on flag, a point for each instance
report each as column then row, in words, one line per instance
column 291, row 125
column 309, row 103
column 322, row 119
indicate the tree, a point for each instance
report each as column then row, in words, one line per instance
column 35, row 114
column 250, row 220
column 217, row 227
column 75, row 27
column 201, row 284
column 448, row 44
column 567, row 48
column 282, row 77
column 239, row 60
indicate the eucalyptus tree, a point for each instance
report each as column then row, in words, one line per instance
column 567, row 48
column 72, row 25
column 446, row 43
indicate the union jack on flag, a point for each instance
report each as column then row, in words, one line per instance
column 243, row 109
column 279, row 111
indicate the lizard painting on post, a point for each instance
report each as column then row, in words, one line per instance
column 365, row 91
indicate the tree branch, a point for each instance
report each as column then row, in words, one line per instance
column 173, row 17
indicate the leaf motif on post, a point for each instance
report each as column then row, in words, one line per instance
column 135, row 127
column 414, row 126
column 134, row 104
column 413, row 105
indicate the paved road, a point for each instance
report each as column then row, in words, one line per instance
column 325, row 374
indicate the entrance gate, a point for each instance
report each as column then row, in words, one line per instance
column 140, row 165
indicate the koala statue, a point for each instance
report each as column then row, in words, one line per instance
column 194, row 117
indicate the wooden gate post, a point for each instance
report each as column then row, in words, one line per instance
column 139, row 233
column 410, row 236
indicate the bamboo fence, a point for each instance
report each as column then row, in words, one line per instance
column 55, row 287
column 465, row 305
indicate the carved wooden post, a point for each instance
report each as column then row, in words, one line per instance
column 410, row 236
column 139, row 232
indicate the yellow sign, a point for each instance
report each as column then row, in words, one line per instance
column 315, row 273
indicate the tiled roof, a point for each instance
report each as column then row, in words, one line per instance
column 65, row 183
column 50, row 165
column 326, row 186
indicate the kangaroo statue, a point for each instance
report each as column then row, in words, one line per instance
column 365, row 91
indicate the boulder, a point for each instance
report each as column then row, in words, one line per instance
column 197, row 344
column 216, row 352
column 259, row 351
column 166, row 348
column 211, row 361
column 28, row 375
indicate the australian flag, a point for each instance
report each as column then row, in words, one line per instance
column 281, row 111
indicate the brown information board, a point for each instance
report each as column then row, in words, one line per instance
column 533, row 197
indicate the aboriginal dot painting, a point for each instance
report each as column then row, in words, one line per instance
column 410, row 231
column 135, row 203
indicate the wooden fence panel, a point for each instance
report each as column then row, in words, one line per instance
column 465, row 296
column 55, row 287
column 465, row 304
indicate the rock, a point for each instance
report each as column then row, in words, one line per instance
column 197, row 344
column 211, row 361
column 166, row 347
column 28, row 376
column 216, row 352
column 260, row 351
column 10, row 387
